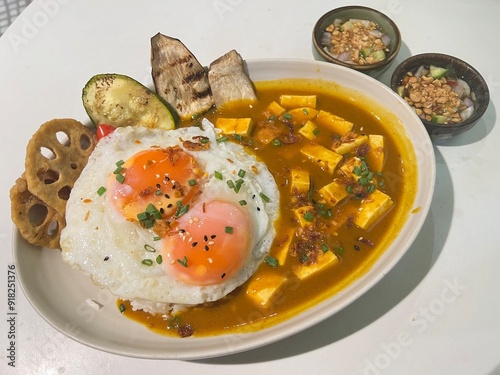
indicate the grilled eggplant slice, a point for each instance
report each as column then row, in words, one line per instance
column 229, row 81
column 179, row 78
column 119, row 100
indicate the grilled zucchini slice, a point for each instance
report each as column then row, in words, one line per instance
column 119, row 100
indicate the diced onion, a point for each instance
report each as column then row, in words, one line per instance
column 465, row 86
column 365, row 23
column 386, row 39
column 326, row 38
column 376, row 33
column 466, row 113
column 468, row 101
column 344, row 57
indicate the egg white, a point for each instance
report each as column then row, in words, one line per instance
column 101, row 242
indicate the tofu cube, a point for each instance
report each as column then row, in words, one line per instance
column 324, row 260
column 335, row 123
column 240, row 126
column 264, row 286
column 292, row 101
column 333, row 193
column 281, row 253
column 372, row 208
column 309, row 130
column 346, row 147
column 300, row 116
column 300, row 181
column 376, row 157
column 275, row 109
column 323, row 157
column 301, row 215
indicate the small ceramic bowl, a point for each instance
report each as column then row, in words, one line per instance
column 338, row 17
column 459, row 70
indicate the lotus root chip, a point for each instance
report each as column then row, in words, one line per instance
column 39, row 223
column 55, row 157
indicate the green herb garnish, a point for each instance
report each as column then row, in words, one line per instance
column 147, row 262
column 183, row 262
column 271, row 261
column 101, row 191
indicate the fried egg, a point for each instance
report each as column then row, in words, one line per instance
column 164, row 218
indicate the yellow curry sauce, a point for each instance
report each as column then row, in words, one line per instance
column 355, row 249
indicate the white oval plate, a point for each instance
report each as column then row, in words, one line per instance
column 61, row 295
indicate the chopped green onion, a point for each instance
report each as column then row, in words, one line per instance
column 308, row 216
column 222, row 139
column 183, row 262
column 122, row 307
column 149, row 248
column 218, row 175
column 381, row 183
column 287, row 116
column 272, row 118
column 230, row 183
column 238, row 185
column 147, row 262
column 363, row 181
column 159, row 259
column 192, row 182
column 324, row 247
column 181, row 209
column 271, row 261
column 316, row 132
column 118, row 170
column 158, row 192
column 237, row 137
column 119, row 163
column 151, row 209
column 204, row 140
column 120, row 178
column 305, row 111
column 101, row 191
column 157, row 238
column 264, row 197
column 276, row 142
column 243, row 202
column 241, row 173
column 228, row 230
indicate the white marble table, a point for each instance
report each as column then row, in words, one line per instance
column 437, row 312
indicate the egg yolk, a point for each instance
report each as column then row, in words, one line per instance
column 167, row 178
column 211, row 244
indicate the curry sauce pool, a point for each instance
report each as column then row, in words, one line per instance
column 321, row 246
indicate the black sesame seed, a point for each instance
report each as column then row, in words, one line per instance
column 223, row 275
column 258, row 208
column 158, row 186
column 106, row 258
column 162, row 210
column 194, row 244
column 167, row 196
column 182, row 230
column 213, row 236
column 205, row 238
column 170, row 205
column 356, row 247
column 206, row 248
column 167, row 178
